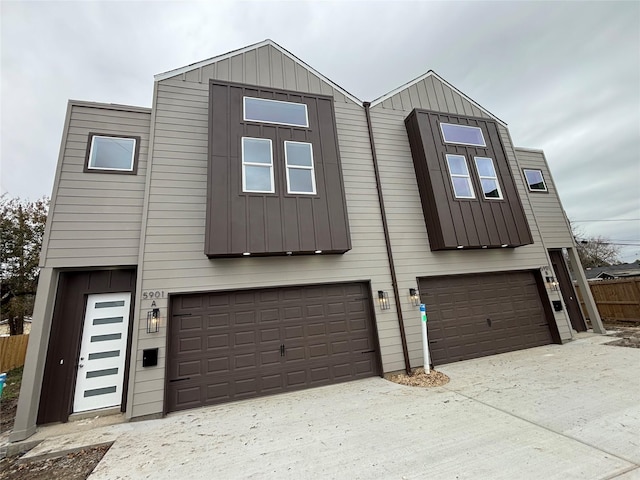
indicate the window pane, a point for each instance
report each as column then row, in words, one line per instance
column 273, row 111
column 298, row 154
column 301, row 181
column 112, row 153
column 535, row 180
column 457, row 165
column 462, row 134
column 257, row 179
column 485, row 167
column 490, row 188
column 461, row 187
column 256, row 150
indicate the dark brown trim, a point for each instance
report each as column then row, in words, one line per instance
column 546, row 304
column 58, row 384
column 136, row 154
column 387, row 240
column 574, row 312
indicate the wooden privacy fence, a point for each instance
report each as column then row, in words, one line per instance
column 616, row 299
column 13, row 349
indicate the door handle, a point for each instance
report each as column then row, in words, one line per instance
column 80, row 365
column 282, row 350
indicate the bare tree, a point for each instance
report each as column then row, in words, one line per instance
column 595, row 251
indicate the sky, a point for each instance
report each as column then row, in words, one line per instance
column 564, row 76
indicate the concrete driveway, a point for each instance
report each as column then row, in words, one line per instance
column 570, row 411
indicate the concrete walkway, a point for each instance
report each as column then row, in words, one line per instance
column 554, row 412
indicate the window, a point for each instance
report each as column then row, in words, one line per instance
column 275, row 111
column 488, row 178
column 459, row 171
column 300, row 174
column 109, row 153
column 257, row 165
column 462, row 134
column 535, row 180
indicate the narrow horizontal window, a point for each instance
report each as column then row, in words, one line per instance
column 488, row 178
column 301, row 178
column 112, row 153
column 117, row 303
column 275, row 111
column 460, row 178
column 462, row 134
column 257, row 165
column 535, row 180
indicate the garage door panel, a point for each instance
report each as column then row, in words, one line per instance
column 267, row 341
column 476, row 315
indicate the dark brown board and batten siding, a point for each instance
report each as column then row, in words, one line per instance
column 272, row 223
column 471, row 223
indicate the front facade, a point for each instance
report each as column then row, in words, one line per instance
column 260, row 230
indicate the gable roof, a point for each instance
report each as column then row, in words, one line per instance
column 431, row 73
column 255, row 46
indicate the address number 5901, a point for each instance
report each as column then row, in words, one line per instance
column 151, row 294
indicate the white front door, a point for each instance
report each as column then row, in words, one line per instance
column 103, row 351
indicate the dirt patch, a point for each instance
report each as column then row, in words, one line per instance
column 628, row 336
column 419, row 378
column 73, row 466
column 7, row 413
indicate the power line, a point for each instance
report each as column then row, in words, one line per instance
column 609, row 220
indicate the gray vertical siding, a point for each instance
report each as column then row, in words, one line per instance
column 95, row 218
column 546, row 206
column 407, row 227
column 173, row 259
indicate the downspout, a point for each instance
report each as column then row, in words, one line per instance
column 387, row 240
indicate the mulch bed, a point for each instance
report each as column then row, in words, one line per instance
column 419, row 378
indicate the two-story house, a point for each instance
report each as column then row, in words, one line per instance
column 259, row 230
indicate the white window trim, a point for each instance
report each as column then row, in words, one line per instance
column 526, row 179
column 257, row 164
column 244, row 112
column 484, row 177
column 484, row 142
column 300, row 167
column 458, row 175
column 133, row 154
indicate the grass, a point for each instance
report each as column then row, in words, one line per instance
column 12, row 384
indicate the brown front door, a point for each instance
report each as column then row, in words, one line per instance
column 476, row 315
column 226, row 346
column 568, row 292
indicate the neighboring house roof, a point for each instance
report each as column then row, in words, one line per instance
column 614, row 271
column 431, row 73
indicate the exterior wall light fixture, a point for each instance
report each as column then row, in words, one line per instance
column 153, row 320
column 383, row 300
column 415, row 297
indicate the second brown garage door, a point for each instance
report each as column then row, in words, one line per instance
column 231, row 345
column 472, row 316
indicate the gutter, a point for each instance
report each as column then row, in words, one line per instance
column 387, row 240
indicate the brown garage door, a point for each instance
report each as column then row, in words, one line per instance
column 234, row 345
column 472, row 316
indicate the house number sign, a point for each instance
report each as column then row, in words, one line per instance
column 152, row 294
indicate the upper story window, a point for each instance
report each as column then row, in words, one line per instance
column 488, row 178
column 462, row 134
column 275, row 111
column 460, row 178
column 257, row 165
column 112, row 154
column 535, row 180
column 300, row 174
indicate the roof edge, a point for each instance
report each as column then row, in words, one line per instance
column 431, row 73
column 224, row 56
column 527, row 149
column 109, row 106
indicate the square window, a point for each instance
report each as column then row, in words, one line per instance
column 488, row 178
column 112, row 154
column 300, row 172
column 460, row 178
column 535, row 180
column 257, row 165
